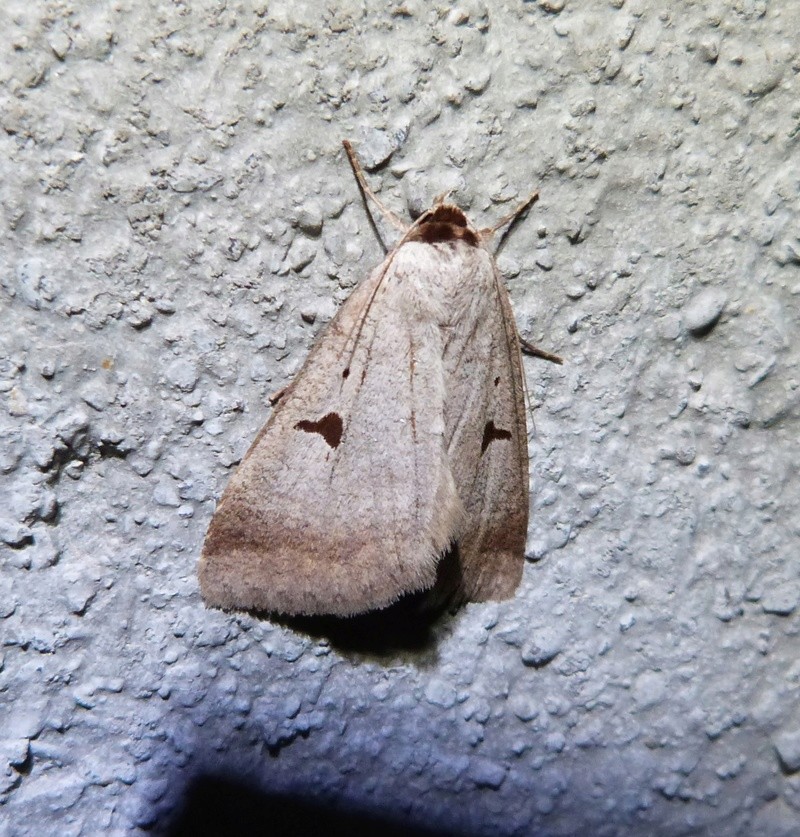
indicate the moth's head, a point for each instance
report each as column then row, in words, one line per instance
column 444, row 222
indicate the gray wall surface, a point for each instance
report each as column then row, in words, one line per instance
column 178, row 221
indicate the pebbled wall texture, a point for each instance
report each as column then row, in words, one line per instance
column 178, row 221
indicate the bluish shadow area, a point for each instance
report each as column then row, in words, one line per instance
column 223, row 807
column 223, row 775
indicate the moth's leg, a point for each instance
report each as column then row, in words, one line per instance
column 535, row 351
column 367, row 192
column 276, row 396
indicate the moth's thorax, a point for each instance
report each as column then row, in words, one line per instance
column 442, row 223
column 441, row 280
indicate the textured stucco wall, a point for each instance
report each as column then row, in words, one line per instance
column 177, row 222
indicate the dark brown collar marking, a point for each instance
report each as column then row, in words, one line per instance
column 444, row 223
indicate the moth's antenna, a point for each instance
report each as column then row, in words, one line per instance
column 509, row 219
column 512, row 216
column 366, row 192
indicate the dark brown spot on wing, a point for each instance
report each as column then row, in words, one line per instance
column 492, row 434
column 330, row 427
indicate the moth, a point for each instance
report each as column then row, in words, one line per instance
column 396, row 461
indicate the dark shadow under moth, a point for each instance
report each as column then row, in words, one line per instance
column 396, row 461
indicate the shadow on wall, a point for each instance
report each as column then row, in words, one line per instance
column 221, row 807
column 409, row 625
column 381, row 634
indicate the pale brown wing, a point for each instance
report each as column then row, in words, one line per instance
column 345, row 500
column 487, row 439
